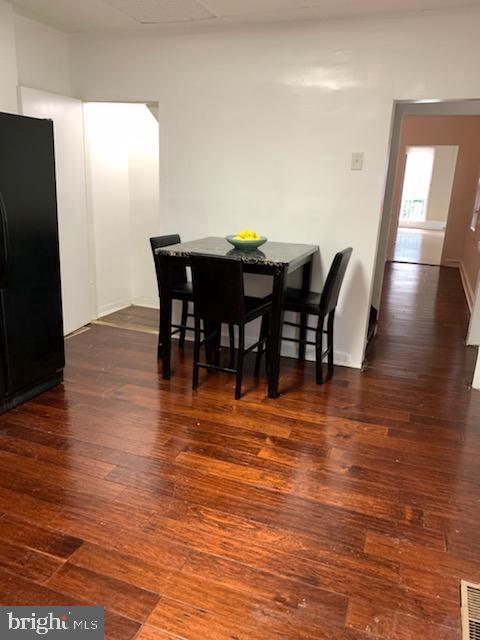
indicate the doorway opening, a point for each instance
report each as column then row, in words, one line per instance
column 429, row 238
column 423, row 209
column 107, row 178
column 122, row 146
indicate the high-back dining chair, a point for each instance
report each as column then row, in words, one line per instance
column 219, row 297
column 180, row 287
column 323, row 306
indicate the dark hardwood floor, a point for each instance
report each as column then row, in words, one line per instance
column 343, row 512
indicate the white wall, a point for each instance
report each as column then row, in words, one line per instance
column 476, row 376
column 43, row 56
column 8, row 62
column 144, row 202
column 109, row 198
column 73, row 224
column 258, row 126
column 122, row 168
column 442, row 181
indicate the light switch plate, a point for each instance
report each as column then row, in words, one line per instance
column 357, row 161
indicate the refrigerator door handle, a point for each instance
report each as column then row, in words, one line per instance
column 4, row 264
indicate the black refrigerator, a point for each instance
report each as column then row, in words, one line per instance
column 31, row 326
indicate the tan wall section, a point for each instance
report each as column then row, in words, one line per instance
column 461, row 244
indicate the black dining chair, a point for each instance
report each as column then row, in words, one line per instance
column 323, row 306
column 219, row 297
column 181, row 288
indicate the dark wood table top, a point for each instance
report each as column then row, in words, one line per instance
column 272, row 254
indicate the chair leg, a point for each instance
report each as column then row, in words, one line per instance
column 319, row 352
column 196, row 354
column 330, row 322
column 267, row 351
column 181, row 342
column 217, row 342
column 231, row 335
column 159, row 346
column 241, row 353
column 166, row 333
column 302, row 347
column 261, row 347
column 209, row 351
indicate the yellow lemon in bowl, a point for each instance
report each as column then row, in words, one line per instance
column 246, row 239
column 247, row 234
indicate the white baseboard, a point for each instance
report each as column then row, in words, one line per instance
column 150, row 303
column 467, row 289
column 111, row 307
column 428, row 225
column 451, row 263
column 290, row 350
column 476, row 376
column 469, row 292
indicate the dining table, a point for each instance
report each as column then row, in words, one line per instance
column 277, row 259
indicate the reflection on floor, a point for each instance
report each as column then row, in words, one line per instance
column 421, row 246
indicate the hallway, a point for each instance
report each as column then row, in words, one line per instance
column 423, row 325
column 421, row 246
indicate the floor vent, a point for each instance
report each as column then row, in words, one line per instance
column 470, row 594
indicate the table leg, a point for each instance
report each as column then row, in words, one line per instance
column 165, row 334
column 306, row 283
column 276, row 324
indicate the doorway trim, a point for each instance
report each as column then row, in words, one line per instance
column 401, row 108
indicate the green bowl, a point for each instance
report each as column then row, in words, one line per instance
column 246, row 245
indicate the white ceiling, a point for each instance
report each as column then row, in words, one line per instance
column 104, row 15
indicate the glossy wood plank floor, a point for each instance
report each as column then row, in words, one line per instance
column 343, row 512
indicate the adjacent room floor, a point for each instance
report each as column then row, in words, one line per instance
column 421, row 246
column 348, row 511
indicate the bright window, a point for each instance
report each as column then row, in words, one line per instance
column 416, row 183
